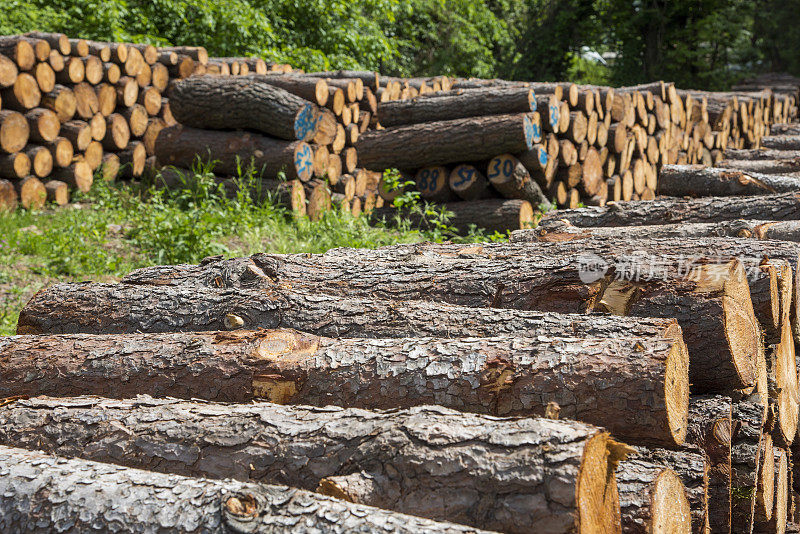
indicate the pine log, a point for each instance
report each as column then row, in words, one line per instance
column 40, row 491
column 14, row 166
column 313, row 89
column 118, row 132
column 645, row 398
column 439, row 143
column 662, row 491
column 780, row 207
column 110, row 167
column 491, row 215
column 14, row 131
column 785, row 129
column 181, row 146
column 58, row 41
column 106, row 99
column 74, row 72
column 62, row 101
column 23, row 95
column 456, row 105
column 468, row 183
column 132, row 159
column 8, row 72
column 61, row 150
column 748, row 447
column 524, row 278
column 775, row 520
column 45, row 77
column 77, row 175
column 698, row 180
column 754, row 154
column 127, row 91
column 31, row 193
column 781, row 142
column 93, row 69
column 710, row 429
column 8, row 196
column 137, row 117
column 234, row 102
column 86, row 103
column 765, row 166
column 57, row 192
column 511, row 179
column 77, row 133
column 41, row 160
column 565, row 479
column 19, row 51
column 43, row 125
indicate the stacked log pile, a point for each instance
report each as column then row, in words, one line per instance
column 72, row 110
column 449, row 382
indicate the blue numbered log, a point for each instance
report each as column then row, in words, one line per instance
column 432, row 183
column 512, row 180
column 244, row 103
column 468, row 183
column 536, row 162
column 181, row 146
column 548, row 107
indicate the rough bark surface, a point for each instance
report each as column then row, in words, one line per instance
column 699, row 180
column 439, row 143
column 637, row 388
column 766, row 166
column 550, row 277
column 781, row 207
column 456, row 105
column 436, row 462
column 781, row 142
column 181, row 146
column 234, row 102
column 492, row 215
column 643, row 474
column 44, row 494
column 710, row 429
column 746, row 453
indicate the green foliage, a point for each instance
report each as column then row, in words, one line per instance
column 706, row 44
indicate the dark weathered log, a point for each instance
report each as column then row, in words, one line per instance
column 457, row 105
column 312, row 89
column 754, row 154
column 491, row 215
column 710, row 429
column 644, row 398
column 564, row 470
column 781, row 142
column 663, row 211
column 226, row 103
column 662, row 491
column 43, row 494
column 439, row 143
column 766, row 166
column 785, row 129
column 699, row 180
column 181, row 146
column 512, row 180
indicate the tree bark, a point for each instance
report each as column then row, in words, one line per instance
column 748, row 446
column 451, row 105
column 229, row 103
column 181, row 146
column 42, row 494
column 644, row 399
column 8, row 196
column 765, row 166
column 698, row 181
column 491, row 215
column 781, row 142
column 440, row 143
column 781, row 207
column 710, row 429
column 662, row 491
column 755, row 154
column 558, row 463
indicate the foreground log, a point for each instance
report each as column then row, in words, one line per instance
column 439, row 143
column 491, row 215
column 457, row 105
column 781, row 207
column 564, row 470
column 699, row 180
column 662, row 491
column 748, row 448
column 781, row 142
column 40, row 491
column 766, row 166
column 225, row 103
column 711, row 299
column 183, row 147
column 644, row 399
column 710, row 429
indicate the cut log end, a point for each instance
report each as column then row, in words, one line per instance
column 676, row 384
column 670, row 511
column 598, row 500
column 304, row 161
column 741, row 326
column 786, row 378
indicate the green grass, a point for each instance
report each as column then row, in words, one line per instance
column 117, row 228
